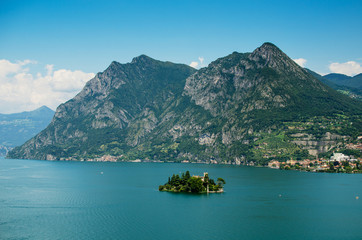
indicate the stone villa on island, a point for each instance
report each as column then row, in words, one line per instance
column 203, row 178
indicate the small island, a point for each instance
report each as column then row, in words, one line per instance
column 193, row 184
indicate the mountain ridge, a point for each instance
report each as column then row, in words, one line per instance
column 224, row 112
column 349, row 91
column 344, row 80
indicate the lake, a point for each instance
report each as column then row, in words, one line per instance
column 89, row 200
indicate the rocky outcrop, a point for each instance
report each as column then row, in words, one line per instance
column 316, row 145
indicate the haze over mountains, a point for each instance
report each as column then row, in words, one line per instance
column 17, row 128
column 245, row 107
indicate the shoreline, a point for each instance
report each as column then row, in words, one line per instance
column 312, row 170
column 204, row 192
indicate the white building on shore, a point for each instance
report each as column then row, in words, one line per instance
column 339, row 157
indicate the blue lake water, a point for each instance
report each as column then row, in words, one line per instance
column 74, row 200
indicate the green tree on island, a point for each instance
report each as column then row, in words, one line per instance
column 220, row 181
column 196, row 185
column 193, row 184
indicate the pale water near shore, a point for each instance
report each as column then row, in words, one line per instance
column 74, row 200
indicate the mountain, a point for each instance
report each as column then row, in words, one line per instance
column 337, row 78
column 110, row 103
column 323, row 79
column 245, row 107
column 350, row 91
column 344, row 80
column 16, row 128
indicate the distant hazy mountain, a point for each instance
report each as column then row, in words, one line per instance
column 344, row 80
column 334, row 80
column 17, row 128
column 243, row 107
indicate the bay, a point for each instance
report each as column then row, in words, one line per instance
column 89, row 200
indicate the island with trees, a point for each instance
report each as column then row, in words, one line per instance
column 193, row 184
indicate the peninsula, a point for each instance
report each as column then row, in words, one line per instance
column 193, row 184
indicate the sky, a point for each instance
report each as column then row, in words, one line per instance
column 50, row 49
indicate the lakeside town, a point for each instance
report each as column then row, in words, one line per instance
column 337, row 163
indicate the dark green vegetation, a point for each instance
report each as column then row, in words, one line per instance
column 344, row 80
column 192, row 184
column 351, row 86
column 16, row 128
column 242, row 108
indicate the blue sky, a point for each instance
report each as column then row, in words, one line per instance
column 88, row 35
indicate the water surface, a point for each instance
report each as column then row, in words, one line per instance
column 84, row 200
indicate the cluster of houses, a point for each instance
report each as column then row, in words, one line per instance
column 104, row 158
column 337, row 159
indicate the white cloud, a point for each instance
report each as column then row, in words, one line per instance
column 21, row 90
column 198, row 64
column 201, row 59
column 69, row 81
column 349, row 68
column 300, row 61
column 7, row 67
column 194, row 64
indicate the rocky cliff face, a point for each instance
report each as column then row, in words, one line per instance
column 243, row 107
column 259, row 90
column 108, row 104
column 261, row 80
